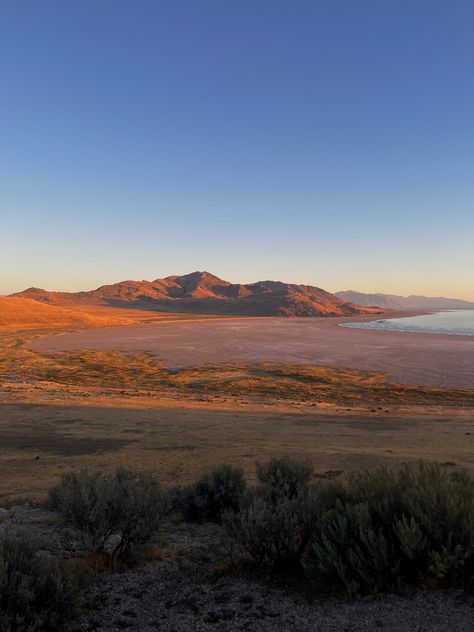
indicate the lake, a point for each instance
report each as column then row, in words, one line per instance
column 460, row 322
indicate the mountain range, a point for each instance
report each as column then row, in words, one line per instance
column 393, row 301
column 204, row 293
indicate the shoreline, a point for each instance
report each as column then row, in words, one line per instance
column 356, row 324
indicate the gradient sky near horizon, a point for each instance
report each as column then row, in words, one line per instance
column 328, row 142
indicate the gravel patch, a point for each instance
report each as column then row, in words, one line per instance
column 182, row 593
column 46, row 526
column 164, row 596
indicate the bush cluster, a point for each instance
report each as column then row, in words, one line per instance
column 387, row 528
column 114, row 513
column 371, row 532
column 375, row 531
column 214, row 493
column 278, row 516
column 36, row 592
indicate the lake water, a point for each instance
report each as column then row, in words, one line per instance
column 459, row 322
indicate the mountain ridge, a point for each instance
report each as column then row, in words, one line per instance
column 201, row 292
column 395, row 301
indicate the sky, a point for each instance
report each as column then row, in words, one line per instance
column 327, row 142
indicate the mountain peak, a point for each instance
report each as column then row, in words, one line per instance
column 203, row 275
column 200, row 285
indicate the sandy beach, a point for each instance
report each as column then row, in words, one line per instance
column 409, row 358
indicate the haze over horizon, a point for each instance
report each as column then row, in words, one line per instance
column 316, row 142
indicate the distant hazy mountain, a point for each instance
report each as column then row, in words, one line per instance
column 204, row 293
column 392, row 301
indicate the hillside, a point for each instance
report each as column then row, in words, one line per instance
column 393, row 301
column 204, row 293
column 25, row 312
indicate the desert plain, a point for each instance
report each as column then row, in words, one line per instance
column 96, row 386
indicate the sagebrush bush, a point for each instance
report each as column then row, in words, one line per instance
column 115, row 513
column 284, row 476
column 277, row 518
column 387, row 528
column 36, row 592
column 274, row 533
column 218, row 491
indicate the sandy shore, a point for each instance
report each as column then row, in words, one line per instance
column 411, row 358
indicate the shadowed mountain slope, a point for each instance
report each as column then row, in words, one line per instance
column 204, row 293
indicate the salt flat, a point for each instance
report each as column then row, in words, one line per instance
column 410, row 358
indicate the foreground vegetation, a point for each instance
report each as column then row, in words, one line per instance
column 371, row 532
column 36, row 590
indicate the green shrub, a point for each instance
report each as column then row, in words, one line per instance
column 35, row 591
column 350, row 552
column 386, row 528
column 274, row 533
column 284, row 476
column 218, row 491
column 277, row 518
column 114, row 513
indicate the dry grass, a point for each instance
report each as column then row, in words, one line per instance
column 179, row 443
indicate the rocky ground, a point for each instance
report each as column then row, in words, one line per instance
column 187, row 589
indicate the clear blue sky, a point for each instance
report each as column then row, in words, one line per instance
column 328, row 142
